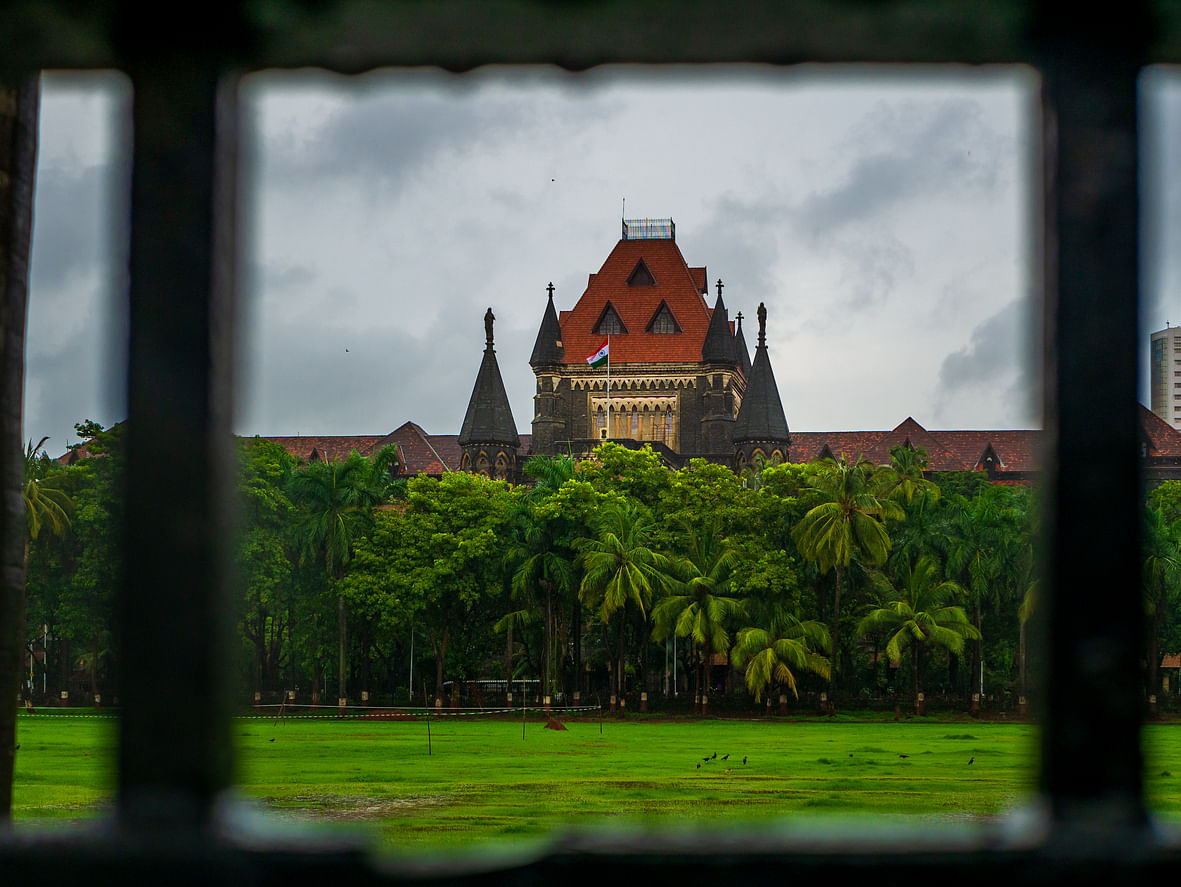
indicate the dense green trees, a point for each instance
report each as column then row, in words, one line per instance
column 593, row 578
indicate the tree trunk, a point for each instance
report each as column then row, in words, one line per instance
column 547, row 664
column 342, row 681
column 978, row 671
column 1154, row 651
column 835, row 631
column 622, row 666
column 18, row 162
column 508, row 658
column 577, row 628
column 440, row 648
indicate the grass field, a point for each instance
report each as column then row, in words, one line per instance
column 482, row 782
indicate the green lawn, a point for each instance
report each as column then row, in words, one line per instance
column 483, row 782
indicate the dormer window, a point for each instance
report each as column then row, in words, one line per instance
column 641, row 275
column 663, row 321
column 609, row 323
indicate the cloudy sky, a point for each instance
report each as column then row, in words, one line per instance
column 883, row 217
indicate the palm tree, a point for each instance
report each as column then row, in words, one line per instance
column 335, row 502
column 986, row 544
column 621, row 571
column 1159, row 577
column 847, row 522
column 543, row 575
column 46, row 505
column 698, row 605
column 923, row 613
column 904, row 481
column 774, row 655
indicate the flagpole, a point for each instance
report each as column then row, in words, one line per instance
column 608, row 386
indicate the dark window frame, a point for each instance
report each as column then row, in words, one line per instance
column 175, row 766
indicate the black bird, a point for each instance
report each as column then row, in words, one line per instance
column 714, row 756
column 706, row 758
column 904, row 756
column 970, row 760
column 698, row 766
column 272, row 739
column 744, row 759
column 725, row 756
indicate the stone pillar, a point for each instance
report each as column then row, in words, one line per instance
column 257, row 699
column 704, row 704
column 920, row 704
column 644, row 702
column 783, row 703
column 612, row 703
column 341, row 703
column 975, row 704
column 65, row 698
column 98, row 700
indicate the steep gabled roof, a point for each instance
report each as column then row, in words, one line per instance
column 761, row 415
column 740, row 347
column 547, row 349
column 676, row 284
column 330, row 448
column 1161, row 438
column 489, row 419
column 719, row 346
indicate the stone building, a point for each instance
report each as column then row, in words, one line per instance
column 677, row 373
column 680, row 379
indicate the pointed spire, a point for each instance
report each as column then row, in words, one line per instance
column 489, row 418
column 719, row 343
column 740, row 345
column 761, row 415
column 547, row 349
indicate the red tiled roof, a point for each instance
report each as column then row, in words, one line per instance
column 676, row 284
column 1162, row 438
column 328, row 448
column 948, row 450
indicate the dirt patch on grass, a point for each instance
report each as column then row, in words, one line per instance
column 348, row 808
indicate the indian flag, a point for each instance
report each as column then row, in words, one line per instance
column 599, row 357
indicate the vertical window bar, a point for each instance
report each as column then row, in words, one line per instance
column 1090, row 600
column 174, row 609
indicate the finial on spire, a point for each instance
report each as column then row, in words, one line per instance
column 762, row 324
column 488, row 318
column 550, row 289
column 739, row 319
column 720, row 285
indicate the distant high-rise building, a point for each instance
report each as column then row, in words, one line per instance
column 1165, row 374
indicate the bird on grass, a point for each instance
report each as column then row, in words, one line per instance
column 725, row 756
column 904, row 756
column 715, row 754
column 970, row 760
column 699, row 766
column 706, row 758
column 744, row 760
column 272, row 739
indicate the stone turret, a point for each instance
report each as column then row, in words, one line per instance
column 549, row 423
column 761, row 427
column 740, row 345
column 488, row 438
column 719, row 357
